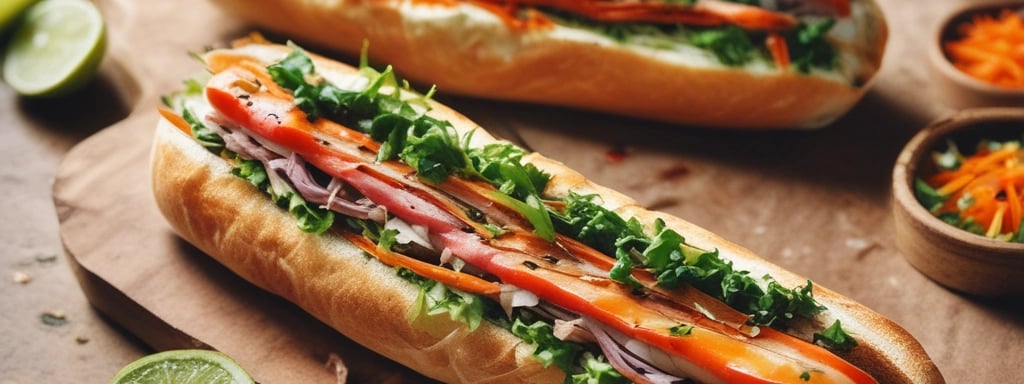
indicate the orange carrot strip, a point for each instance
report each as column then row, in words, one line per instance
column 955, row 184
column 1014, row 202
column 464, row 282
column 175, row 119
column 779, row 50
column 986, row 49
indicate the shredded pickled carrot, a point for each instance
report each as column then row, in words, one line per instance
column 465, row 282
column 994, row 180
column 175, row 119
column 779, row 50
column 991, row 48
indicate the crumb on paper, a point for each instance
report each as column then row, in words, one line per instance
column 54, row 318
column 862, row 246
column 335, row 363
column 857, row 243
column 20, row 277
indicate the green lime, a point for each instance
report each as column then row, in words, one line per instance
column 55, row 49
column 10, row 9
column 183, row 366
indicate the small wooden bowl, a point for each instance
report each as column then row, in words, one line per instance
column 953, row 257
column 955, row 88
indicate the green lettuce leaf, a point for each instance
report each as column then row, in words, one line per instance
column 435, row 298
column 596, row 370
column 550, row 350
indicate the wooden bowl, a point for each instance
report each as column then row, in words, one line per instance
column 953, row 257
column 956, row 88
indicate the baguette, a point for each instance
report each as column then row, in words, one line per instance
column 465, row 47
column 333, row 278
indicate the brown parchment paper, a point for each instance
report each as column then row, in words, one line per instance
column 815, row 202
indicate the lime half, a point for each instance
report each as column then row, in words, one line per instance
column 183, row 366
column 55, row 49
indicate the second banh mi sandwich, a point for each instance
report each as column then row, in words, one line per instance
column 757, row 64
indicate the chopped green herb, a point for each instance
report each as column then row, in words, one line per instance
column 835, row 338
column 928, row 196
column 730, row 44
column 596, row 370
column 808, row 47
column 205, row 136
column 429, row 145
column 387, row 238
column 675, row 263
column 550, row 350
column 584, row 219
column 311, row 219
column 252, row 171
column 680, row 330
column 54, row 318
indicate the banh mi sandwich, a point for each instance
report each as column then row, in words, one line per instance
column 744, row 64
column 406, row 227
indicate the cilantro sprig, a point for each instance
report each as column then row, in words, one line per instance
column 731, row 45
column 675, row 263
column 809, row 48
column 430, row 145
column 835, row 338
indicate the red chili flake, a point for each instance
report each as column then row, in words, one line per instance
column 616, row 155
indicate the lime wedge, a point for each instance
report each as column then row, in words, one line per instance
column 183, row 366
column 55, row 49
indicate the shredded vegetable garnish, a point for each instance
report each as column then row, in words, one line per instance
column 982, row 193
column 991, row 48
